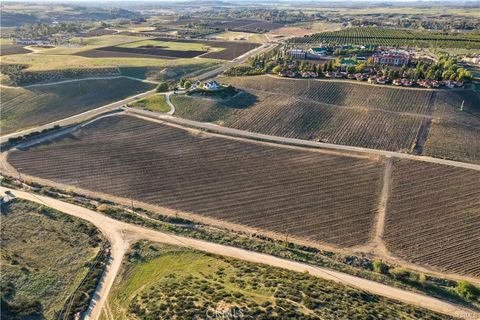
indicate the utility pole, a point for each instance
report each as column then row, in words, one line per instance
column 461, row 107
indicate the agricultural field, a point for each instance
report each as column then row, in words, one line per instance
column 9, row 49
column 433, row 216
column 291, row 117
column 344, row 113
column 308, row 194
column 329, row 111
column 393, row 37
column 455, row 133
column 45, row 256
column 452, row 141
column 155, row 102
column 162, row 48
column 159, row 281
column 23, row 108
column 62, row 59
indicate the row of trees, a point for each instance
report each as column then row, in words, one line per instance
column 446, row 68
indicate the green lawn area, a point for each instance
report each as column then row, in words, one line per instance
column 169, row 45
column 45, row 255
column 23, row 108
column 166, row 282
column 156, row 103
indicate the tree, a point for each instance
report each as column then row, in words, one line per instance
column 162, row 87
column 277, row 69
column 187, row 84
column 359, row 67
column 182, row 82
column 350, row 69
column 467, row 290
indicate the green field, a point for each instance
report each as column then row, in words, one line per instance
column 45, row 256
column 154, row 102
column 165, row 282
column 23, row 108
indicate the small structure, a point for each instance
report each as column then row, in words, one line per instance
column 317, row 53
column 211, row 85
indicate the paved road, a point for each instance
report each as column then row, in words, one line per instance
column 290, row 141
column 121, row 234
column 235, row 62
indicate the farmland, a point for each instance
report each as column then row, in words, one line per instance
column 295, row 118
column 328, row 111
column 393, row 37
column 433, row 216
column 343, row 113
column 160, row 281
column 309, row 195
column 173, row 49
column 45, row 256
column 23, row 108
column 83, row 57
column 448, row 141
column 10, row 49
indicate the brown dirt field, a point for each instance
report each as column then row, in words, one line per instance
column 10, row 49
column 309, row 195
column 433, row 216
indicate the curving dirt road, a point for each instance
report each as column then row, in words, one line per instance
column 121, row 234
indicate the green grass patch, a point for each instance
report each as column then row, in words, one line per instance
column 45, row 256
column 166, row 282
column 156, row 103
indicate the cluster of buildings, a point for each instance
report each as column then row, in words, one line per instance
column 378, row 55
column 373, row 79
column 396, row 58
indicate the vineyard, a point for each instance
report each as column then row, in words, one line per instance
column 294, row 118
column 452, row 141
column 23, row 108
column 433, row 216
column 306, row 194
column 341, row 113
column 392, row 37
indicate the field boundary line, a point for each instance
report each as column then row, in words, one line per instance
column 211, row 127
column 377, row 240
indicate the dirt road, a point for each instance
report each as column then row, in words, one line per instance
column 121, row 234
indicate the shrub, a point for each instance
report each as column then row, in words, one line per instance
column 380, row 267
column 467, row 290
column 400, row 274
column 277, row 69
